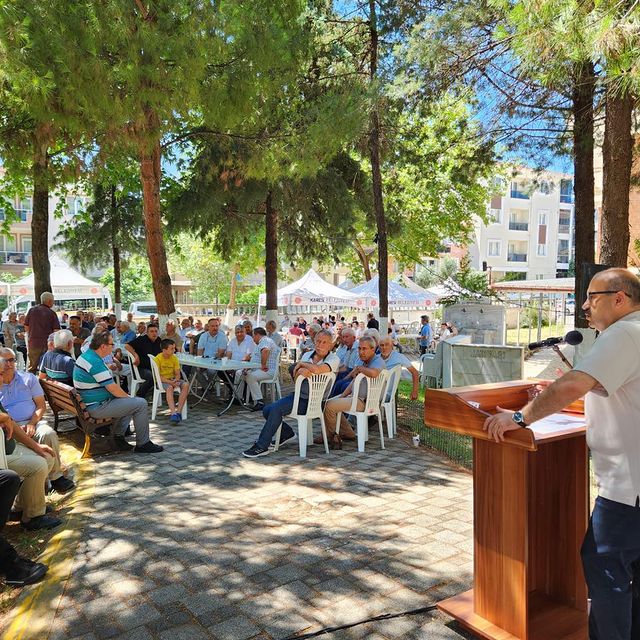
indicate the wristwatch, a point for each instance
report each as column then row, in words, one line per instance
column 518, row 418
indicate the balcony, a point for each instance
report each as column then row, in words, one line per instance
column 514, row 225
column 517, row 257
column 516, row 193
column 15, row 257
column 563, row 258
column 564, row 227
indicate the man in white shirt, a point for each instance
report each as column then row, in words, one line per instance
column 320, row 360
column 265, row 353
column 609, row 375
column 241, row 347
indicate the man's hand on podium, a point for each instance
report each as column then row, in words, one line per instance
column 498, row 424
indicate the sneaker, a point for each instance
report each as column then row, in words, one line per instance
column 148, row 447
column 16, row 516
column 258, row 406
column 41, row 522
column 284, row 441
column 23, row 571
column 121, row 444
column 255, row 452
column 175, row 417
column 62, row 485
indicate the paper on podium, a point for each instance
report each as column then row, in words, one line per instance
column 556, row 423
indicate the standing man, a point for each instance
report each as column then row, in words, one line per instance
column 41, row 321
column 141, row 348
column 372, row 323
column 609, row 375
column 426, row 335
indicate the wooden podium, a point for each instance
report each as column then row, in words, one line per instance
column 531, row 495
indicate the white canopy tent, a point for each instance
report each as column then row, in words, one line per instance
column 311, row 290
column 399, row 296
column 65, row 281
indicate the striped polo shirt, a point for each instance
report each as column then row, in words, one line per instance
column 90, row 377
column 274, row 353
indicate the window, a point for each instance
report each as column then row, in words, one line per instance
column 564, row 221
column 545, row 189
column 563, row 251
column 566, row 191
column 542, row 250
column 519, row 220
column 493, row 248
column 518, row 190
column 495, row 216
column 24, row 209
column 26, row 244
column 543, row 216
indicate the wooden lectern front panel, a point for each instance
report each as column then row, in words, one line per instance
column 500, row 476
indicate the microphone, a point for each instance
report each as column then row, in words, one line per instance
column 573, row 338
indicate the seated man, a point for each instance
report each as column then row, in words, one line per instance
column 23, row 400
column 194, row 335
column 171, row 333
column 265, row 353
column 32, row 462
column 58, row 364
column 308, row 344
column 213, row 343
column 143, row 347
column 105, row 399
column 185, row 328
column 392, row 358
column 347, row 352
column 169, row 370
column 17, row 571
column 272, row 332
column 321, row 360
column 122, row 332
column 371, row 366
column 80, row 333
column 241, row 347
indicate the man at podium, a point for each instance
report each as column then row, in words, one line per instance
column 609, row 375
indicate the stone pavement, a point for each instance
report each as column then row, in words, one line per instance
column 199, row 542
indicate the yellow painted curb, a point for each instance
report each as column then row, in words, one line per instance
column 33, row 614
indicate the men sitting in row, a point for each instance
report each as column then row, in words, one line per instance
column 22, row 398
column 393, row 358
column 265, row 353
column 106, row 399
column 58, row 364
column 213, row 343
column 241, row 346
column 122, row 333
column 320, row 360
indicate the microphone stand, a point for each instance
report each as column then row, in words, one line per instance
column 556, row 348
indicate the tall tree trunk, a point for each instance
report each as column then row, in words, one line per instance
column 364, row 259
column 115, row 250
column 150, row 173
column 378, row 202
column 40, row 215
column 271, row 258
column 583, row 96
column 231, row 307
column 617, row 150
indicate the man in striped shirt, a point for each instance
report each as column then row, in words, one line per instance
column 105, row 399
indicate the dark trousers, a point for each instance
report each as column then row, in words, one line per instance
column 611, row 562
column 9, row 485
column 146, row 386
column 273, row 414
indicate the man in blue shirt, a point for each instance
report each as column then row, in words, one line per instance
column 372, row 365
column 58, row 364
column 23, row 400
column 105, row 399
column 426, row 335
column 212, row 343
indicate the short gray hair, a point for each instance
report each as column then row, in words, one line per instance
column 370, row 339
column 124, row 325
column 315, row 327
column 323, row 332
column 46, row 296
column 348, row 331
column 62, row 338
column 374, row 334
column 5, row 351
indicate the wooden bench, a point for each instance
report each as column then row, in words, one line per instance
column 65, row 399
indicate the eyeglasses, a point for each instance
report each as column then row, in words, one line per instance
column 590, row 294
column 9, row 359
column 109, row 344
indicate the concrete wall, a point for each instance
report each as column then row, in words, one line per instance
column 485, row 323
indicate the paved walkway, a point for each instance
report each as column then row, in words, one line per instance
column 199, row 542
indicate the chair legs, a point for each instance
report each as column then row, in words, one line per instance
column 157, row 402
column 390, row 418
column 362, row 428
column 303, row 434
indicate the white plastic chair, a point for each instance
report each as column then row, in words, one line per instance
column 372, row 406
column 158, row 390
column 319, row 386
column 274, row 380
column 134, row 377
column 3, row 454
column 431, row 368
column 389, row 399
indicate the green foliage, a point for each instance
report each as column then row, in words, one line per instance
column 467, row 284
column 428, row 277
column 136, row 281
column 251, row 296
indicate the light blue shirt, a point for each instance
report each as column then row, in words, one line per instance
column 395, row 359
column 348, row 357
column 17, row 396
column 375, row 363
column 212, row 344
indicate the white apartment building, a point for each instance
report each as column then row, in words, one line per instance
column 530, row 233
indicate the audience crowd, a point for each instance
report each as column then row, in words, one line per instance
column 99, row 357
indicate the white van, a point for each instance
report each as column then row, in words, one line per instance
column 143, row 310
column 66, row 302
